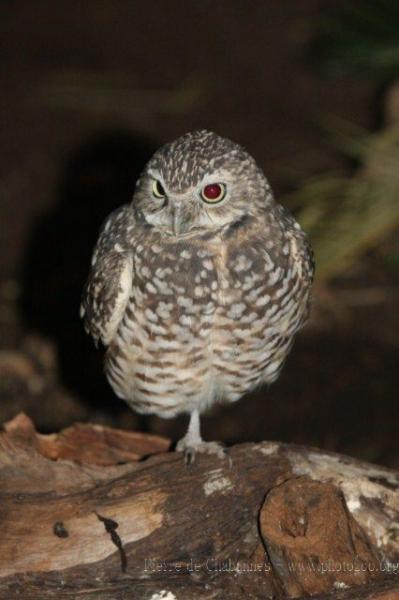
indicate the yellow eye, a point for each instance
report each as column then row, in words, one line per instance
column 157, row 189
column 213, row 193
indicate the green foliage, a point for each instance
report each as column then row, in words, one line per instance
column 364, row 38
column 346, row 216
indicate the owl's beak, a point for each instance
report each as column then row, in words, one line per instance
column 180, row 221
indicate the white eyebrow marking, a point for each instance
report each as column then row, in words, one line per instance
column 155, row 174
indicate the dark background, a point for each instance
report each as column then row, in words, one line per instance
column 90, row 89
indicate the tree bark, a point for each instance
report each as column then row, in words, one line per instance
column 85, row 515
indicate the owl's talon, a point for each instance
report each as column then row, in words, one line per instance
column 192, row 442
column 191, row 450
column 189, row 456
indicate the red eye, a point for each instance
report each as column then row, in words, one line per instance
column 214, row 192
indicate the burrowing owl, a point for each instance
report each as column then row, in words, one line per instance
column 198, row 286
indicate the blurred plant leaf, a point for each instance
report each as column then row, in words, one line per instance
column 363, row 37
column 346, row 216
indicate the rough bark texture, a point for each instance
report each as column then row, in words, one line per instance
column 83, row 517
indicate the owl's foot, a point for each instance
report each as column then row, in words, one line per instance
column 192, row 442
column 191, row 448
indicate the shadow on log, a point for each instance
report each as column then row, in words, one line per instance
column 94, row 512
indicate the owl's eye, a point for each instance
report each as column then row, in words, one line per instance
column 213, row 193
column 157, row 189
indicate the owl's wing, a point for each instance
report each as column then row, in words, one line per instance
column 301, row 250
column 294, row 276
column 108, row 287
column 302, row 268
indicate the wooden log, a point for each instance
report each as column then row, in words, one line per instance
column 82, row 516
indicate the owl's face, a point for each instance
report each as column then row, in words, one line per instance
column 198, row 182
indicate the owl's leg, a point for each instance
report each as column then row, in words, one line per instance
column 192, row 442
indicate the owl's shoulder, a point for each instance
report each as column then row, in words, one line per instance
column 108, row 286
column 301, row 249
column 291, row 241
column 115, row 231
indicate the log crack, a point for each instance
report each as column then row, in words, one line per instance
column 110, row 527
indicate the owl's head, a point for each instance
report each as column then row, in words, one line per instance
column 200, row 181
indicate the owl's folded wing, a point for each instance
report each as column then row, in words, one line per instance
column 291, row 278
column 302, row 270
column 108, row 287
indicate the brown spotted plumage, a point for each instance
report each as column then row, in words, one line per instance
column 197, row 291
